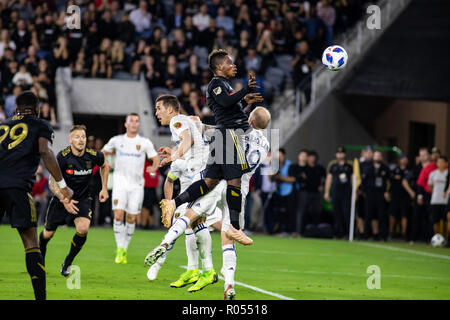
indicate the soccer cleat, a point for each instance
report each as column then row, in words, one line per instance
column 190, row 276
column 239, row 236
column 229, row 293
column 206, row 278
column 152, row 273
column 124, row 256
column 119, row 255
column 157, row 252
column 65, row 269
column 167, row 209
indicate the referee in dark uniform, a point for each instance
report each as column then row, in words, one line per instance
column 24, row 140
column 227, row 158
column 338, row 189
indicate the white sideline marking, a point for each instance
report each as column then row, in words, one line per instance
column 270, row 293
column 421, row 253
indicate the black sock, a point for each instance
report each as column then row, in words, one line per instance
column 195, row 191
column 43, row 244
column 36, row 270
column 234, row 202
column 77, row 243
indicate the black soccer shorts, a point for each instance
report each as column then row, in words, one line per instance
column 57, row 215
column 227, row 159
column 18, row 204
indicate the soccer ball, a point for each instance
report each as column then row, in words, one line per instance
column 437, row 240
column 334, row 58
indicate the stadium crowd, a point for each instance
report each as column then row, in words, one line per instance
column 165, row 41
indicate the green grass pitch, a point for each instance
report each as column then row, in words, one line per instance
column 294, row 268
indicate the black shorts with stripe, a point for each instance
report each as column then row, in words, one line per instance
column 57, row 215
column 227, row 158
column 18, row 204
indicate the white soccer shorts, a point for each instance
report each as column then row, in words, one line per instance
column 128, row 199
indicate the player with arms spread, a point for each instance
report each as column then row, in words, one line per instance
column 76, row 163
column 231, row 122
column 131, row 150
column 24, row 140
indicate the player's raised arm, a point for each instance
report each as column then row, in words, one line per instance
column 52, row 166
column 168, row 185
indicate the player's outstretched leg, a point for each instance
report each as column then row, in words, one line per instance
column 238, row 236
column 130, row 226
column 119, row 234
column 204, row 243
column 174, row 232
column 228, row 267
column 192, row 273
column 192, row 193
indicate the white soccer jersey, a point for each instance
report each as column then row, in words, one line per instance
column 130, row 159
column 197, row 155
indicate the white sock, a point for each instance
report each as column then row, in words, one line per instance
column 204, row 243
column 162, row 259
column 229, row 263
column 191, row 249
column 119, row 232
column 129, row 230
column 176, row 230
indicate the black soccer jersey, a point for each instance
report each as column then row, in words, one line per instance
column 397, row 176
column 19, row 150
column 77, row 171
column 226, row 104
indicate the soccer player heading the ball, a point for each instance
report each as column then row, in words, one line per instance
column 227, row 160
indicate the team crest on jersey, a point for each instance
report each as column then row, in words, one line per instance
column 177, row 125
column 217, row 90
column 177, row 215
column 138, row 147
column 70, row 166
column 116, row 201
column 88, row 164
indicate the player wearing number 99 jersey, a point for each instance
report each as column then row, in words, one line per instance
column 24, row 139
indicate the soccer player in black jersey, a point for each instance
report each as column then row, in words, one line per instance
column 76, row 162
column 24, row 140
column 231, row 122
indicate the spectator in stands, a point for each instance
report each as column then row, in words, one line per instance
column 22, row 39
column 48, row 113
column 116, row 12
column 193, row 72
column 202, row 19
column 327, row 14
column 302, row 65
column 22, row 77
column 10, row 102
column 5, row 42
column 101, row 67
column 141, row 19
column 194, row 101
column 435, row 154
column 284, row 197
column 225, row 22
column 126, row 30
column 180, row 47
column 209, row 35
column 221, row 41
column 252, row 60
column 61, row 52
column 117, row 56
column 243, row 21
column 175, row 20
column 107, row 27
column 79, row 68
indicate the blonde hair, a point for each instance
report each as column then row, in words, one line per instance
column 261, row 117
